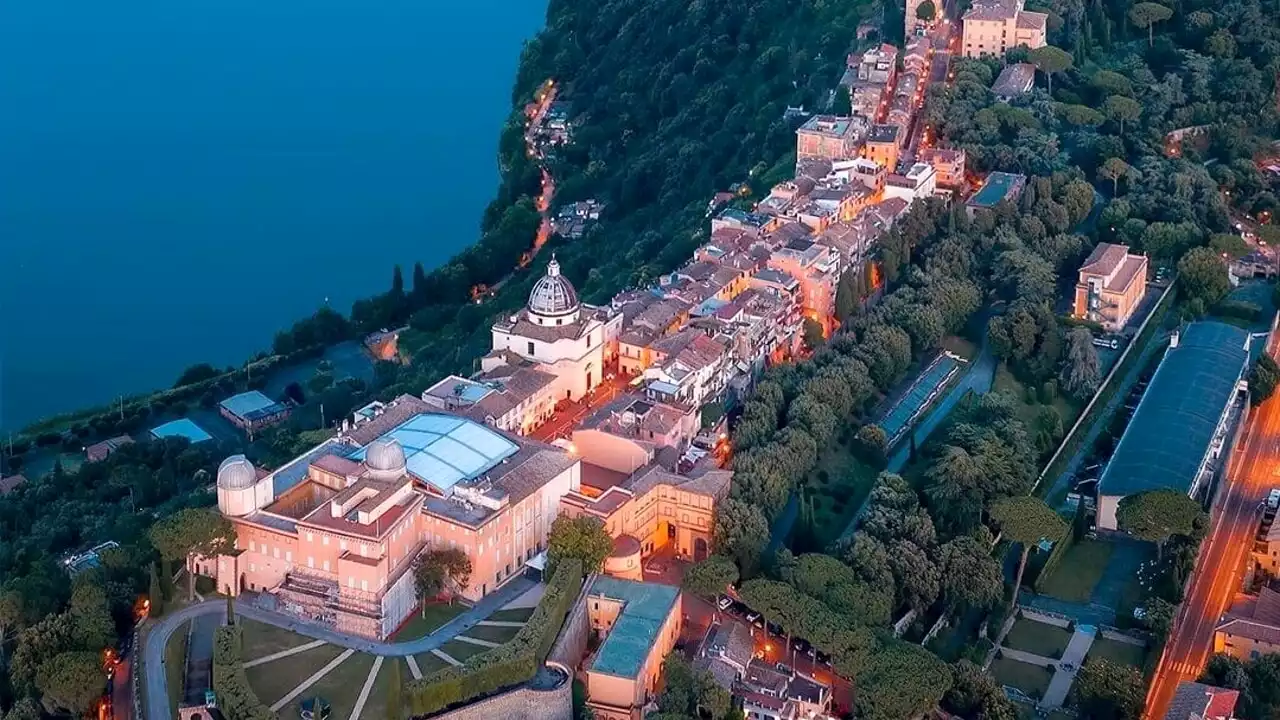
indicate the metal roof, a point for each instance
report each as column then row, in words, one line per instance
column 645, row 607
column 1170, row 432
column 445, row 449
column 251, row 405
column 182, row 428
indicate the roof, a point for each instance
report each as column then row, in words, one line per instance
column 1170, row 431
column 645, row 608
column 732, row 642
column 442, row 450
column 99, row 451
column 883, row 133
column 183, row 428
column 11, row 483
column 252, row 405
column 1104, row 259
column 1028, row 20
column 1014, row 79
column 998, row 186
column 1197, row 701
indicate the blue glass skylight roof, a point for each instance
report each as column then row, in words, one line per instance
column 443, row 450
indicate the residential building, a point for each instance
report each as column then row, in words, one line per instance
column 182, row 428
column 251, row 411
column 650, row 319
column 877, row 65
column 998, row 186
column 514, row 397
column 1251, row 627
column 559, row 335
column 883, row 145
column 949, row 164
column 769, row 692
column 753, row 224
column 689, row 368
column 1266, row 544
column 817, row 268
column 1111, row 286
column 663, row 510
column 640, row 623
column 384, row 344
column 915, row 56
column 1197, row 701
column 1185, row 420
column 1015, row 80
column 98, row 452
column 868, row 100
column 833, row 137
column 921, row 181
column 991, row 27
column 631, row 427
column 861, row 171
column 11, row 483
column 331, row 536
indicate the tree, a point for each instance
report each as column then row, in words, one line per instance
column 92, row 626
column 742, row 531
column 395, row 692
column 582, row 537
column 24, row 709
column 1229, row 244
column 1081, row 373
column 439, row 570
column 690, row 693
column 1049, row 60
column 975, row 694
column 397, row 281
column 901, row 680
column 1026, row 520
column 710, row 577
column 1146, row 14
column 193, row 531
column 1202, row 275
column 970, row 576
column 872, row 442
column 10, row 615
column 926, row 11
column 155, row 593
column 1114, row 169
column 1157, row 515
column 814, row 335
column 847, row 297
column 71, row 682
column 1104, row 690
column 1122, row 109
column 231, row 610
column 1159, row 617
column 1263, row 379
column 196, row 373
column 1080, row 115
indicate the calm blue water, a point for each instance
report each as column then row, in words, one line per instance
column 180, row 179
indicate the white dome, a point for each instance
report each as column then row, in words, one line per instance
column 236, row 473
column 385, row 457
column 553, row 294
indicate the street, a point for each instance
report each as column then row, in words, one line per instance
column 569, row 414
column 1219, row 570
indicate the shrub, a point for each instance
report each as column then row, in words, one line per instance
column 507, row 665
column 235, row 695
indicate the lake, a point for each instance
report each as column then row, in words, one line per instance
column 180, row 179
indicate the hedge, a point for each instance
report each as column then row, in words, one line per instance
column 507, row 665
column 236, row 698
column 1060, row 548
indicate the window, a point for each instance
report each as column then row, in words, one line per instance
column 310, row 537
column 311, row 561
column 342, row 545
column 253, row 546
column 364, row 549
column 275, row 552
column 324, row 539
column 252, row 567
column 326, row 566
column 288, row 556
column 351, row 581
column 531, row 348
column 364, row 585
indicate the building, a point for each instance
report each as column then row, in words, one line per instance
column 384, row 345
column 181, row 428
column 1266, row 544
column 98, row 452
column 997, row 187
column 1183, row 421
column 331, row 535
column 558, row 335
column 1197, row 701
column 991, row 27
column 630, row 427
column 770, row 692
column 861, row 171
column 921, row 181
column 251, row 411
column 913, row 23
column 11, row 483
column 877, row 65
column 1111, row 286
column 1013, row 81
column 515, row 398
column 883, row 145
column 640, row 623
column 817, row 268
column 833, row 137
column 948, row 164
column 726, row 653
column 1251, row 627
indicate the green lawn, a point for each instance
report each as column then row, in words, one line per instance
column 341, row 687
column 1030, row 679
column 1037, row 637
column 1076, row 575
column 427, row 620
column 492, row 634
column 375, row 706
column 429, row 663
column 1120, row 653
column 512, row 615
column 272, row 681
column 1027, row 411
column 261, row 640
column 960, row 346
column 460, row 651
column 175, row 660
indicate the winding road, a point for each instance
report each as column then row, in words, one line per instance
column 157, row 688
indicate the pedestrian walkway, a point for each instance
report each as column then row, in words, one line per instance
column 368, row 687
column 1065, row 673
column 284, row 653
column 476, row 641
column 501, row 623
column 414, row 670
column 443, row 656
column 315, row 678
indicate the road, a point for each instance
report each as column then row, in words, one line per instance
column 1220, row 568
column 569, row 414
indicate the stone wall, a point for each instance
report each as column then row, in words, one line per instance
column 523, row 703
column 571, row 645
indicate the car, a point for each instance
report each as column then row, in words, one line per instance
column 752, row 616
column 801, row 645
column 724, row 602
column 775, row 629
column 785, row 668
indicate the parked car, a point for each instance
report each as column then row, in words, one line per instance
column 785, row 668
column 724, row 602
column 753, row 617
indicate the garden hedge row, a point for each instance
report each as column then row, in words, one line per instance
column 512, row 663
column 236, row 698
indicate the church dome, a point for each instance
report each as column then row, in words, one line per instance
column 236, row 473
column 553, row 294
column 385, row 458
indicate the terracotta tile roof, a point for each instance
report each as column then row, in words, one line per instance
column 1028, row 20
column 1256, row 618
column 1197, row 701
column 11, row 483
column 99, row 451
column 1129, row 269
column 1104, row 259
column 545, row 333
column 338, row 465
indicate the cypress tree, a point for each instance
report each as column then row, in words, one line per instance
column 155, row 595
column 231, row 610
